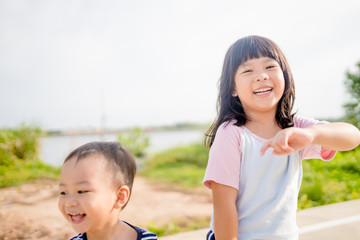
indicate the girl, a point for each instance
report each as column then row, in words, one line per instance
column 257, row 145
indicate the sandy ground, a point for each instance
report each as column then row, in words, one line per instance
column 29, row 211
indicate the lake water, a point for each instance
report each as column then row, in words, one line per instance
column 55, row 148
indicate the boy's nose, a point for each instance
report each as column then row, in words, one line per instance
column 70, row 202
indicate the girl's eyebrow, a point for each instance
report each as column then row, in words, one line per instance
column 244, row 65
column 270, row 60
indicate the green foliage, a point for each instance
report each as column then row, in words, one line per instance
column 25, row 171
column 330, row 182
column 135, row 140
column 19, row 144
column 352, row 108
column 324, row 182
column 184, row 165
column 178, row 225
column 19, row 156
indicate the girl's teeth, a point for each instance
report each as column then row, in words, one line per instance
column 263, row 90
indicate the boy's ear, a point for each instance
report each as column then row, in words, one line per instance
column 122, row 197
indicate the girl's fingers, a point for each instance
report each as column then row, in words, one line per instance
column 279, row 147
column 287, row 151
column 271, row 144
column 265, row 147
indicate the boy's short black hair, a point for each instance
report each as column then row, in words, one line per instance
column 120, row 161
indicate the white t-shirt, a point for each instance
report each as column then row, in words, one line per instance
column 268, row 185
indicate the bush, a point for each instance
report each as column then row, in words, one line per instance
column 19, row 144
column 136, row 141
column 324, row 182
column 26, row 171
column 19, row 156
column 329, row 182
column 184, row 165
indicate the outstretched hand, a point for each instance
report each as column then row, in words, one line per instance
column 288, row 141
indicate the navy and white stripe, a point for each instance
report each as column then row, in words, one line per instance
column 142, row 234
column 210, row 235
column 81, row 236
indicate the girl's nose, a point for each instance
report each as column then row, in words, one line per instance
column 262, row 76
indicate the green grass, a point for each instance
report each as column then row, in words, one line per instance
column 19, row 156
column 324, row 182
column 184, row 165
column 26, row 171
column 178, row 225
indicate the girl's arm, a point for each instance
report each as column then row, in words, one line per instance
column 225, row 213
column 336, row 136
column 333, row 136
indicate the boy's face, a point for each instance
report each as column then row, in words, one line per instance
column 87, row 194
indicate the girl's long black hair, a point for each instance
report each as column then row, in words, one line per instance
column 229, row 107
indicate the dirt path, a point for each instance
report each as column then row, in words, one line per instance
column 30, row 211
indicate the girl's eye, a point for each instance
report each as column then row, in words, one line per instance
column 63, row 193
column 82, row 192
column 271, row 66
column 246, row 71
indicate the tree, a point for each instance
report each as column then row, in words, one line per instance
column 352, row 108
column 135, row 140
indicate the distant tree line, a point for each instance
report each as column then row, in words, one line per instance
column 352, row 108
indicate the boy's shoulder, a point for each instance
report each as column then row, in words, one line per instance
column 143, row 233
column 81, row 236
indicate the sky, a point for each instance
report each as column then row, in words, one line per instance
column 68, row 64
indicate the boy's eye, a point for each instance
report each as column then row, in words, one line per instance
column 63, row 193
column 82, row 192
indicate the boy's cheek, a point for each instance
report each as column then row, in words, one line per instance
column 61, row 206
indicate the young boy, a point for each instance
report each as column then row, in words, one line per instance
column 95, row 185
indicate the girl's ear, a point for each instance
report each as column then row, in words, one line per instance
column 234, row 93
column 122, row 197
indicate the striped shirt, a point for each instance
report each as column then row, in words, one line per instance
column 142, row 234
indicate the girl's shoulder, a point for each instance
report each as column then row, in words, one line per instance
column 228, row 133
column 229, row 129
column 229, row 126
column 303, row 122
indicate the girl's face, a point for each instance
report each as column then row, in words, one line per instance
column 259, row 84
column 87, row 195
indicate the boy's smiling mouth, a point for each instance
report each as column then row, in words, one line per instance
column 76, row 217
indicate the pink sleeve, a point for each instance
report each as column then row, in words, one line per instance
column 313, row 151
column 224, row 157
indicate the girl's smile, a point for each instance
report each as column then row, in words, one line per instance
column 263, row 91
